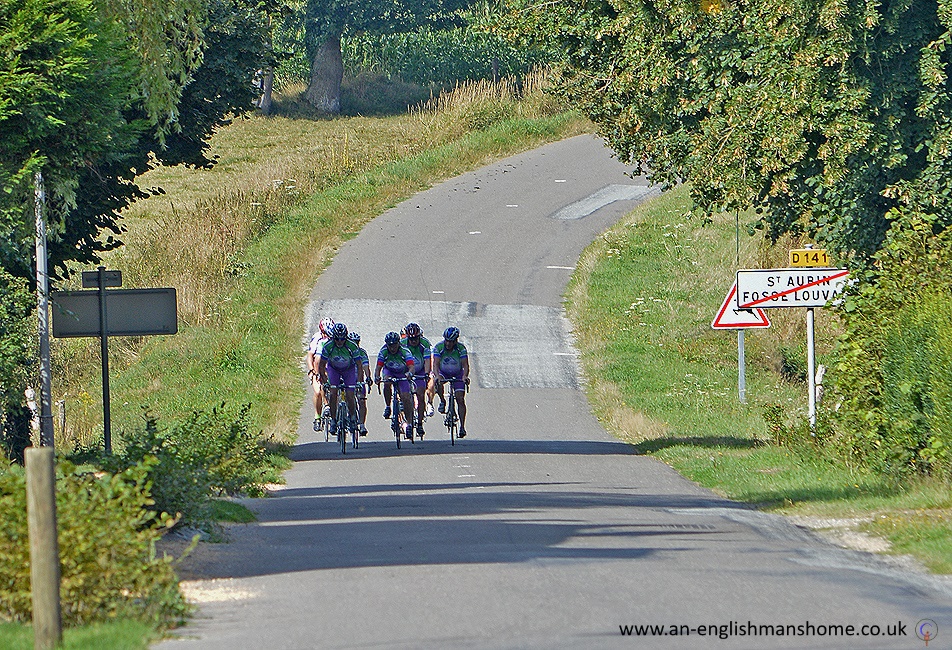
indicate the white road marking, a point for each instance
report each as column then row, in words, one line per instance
column 566, row 268
column 439, row 292
column 601, row 198
column 475, row 232
column 460, row 476
column 511, row 205
column 560, row 180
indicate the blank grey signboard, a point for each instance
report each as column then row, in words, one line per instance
column 129, row 312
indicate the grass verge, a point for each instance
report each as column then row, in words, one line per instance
column 118, row 635
column 658, row 376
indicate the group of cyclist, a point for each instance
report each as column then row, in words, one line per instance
column 406, row 360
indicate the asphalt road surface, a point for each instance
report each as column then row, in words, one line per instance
column 539, row 530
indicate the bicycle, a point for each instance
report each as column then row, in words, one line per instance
column 452, row 419
column 396, row 410
column 342, row 418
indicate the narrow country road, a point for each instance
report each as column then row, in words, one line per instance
column 539, row 530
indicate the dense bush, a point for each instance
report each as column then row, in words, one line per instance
column 107, row 536
column 891, row 401
column 209, row 453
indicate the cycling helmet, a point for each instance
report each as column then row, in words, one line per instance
column 355, row 337
column 391, row 338
column 325, row 326
column 339, row 332
column 451, row 334
column 413, row 330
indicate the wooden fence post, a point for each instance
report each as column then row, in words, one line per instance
column 44, row 547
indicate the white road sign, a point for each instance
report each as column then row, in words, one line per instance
column 795, row 287
column 729, row 317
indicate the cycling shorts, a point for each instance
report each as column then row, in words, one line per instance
column 403, row 385
column 456, row 381
column 349, row 376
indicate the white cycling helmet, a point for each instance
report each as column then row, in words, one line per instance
column 325, row 326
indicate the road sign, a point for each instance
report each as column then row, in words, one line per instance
column 772, row 288
column 810, row 257
column 130, row 312
column 730, row 317
column 109, row 279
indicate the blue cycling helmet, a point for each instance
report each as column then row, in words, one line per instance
column 391, row 338
column 413, row 330
column 451, row 334
column 339, row 332
column 354, row 336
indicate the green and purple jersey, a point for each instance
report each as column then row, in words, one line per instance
column 449, row 362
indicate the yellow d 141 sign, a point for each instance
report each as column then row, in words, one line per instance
column 810, row 257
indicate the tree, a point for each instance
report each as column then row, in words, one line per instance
column 322, row 23
column 823, row 115
column 92, row 108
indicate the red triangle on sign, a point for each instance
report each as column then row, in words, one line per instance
column 730, row 318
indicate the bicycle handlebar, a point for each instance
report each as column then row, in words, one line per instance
column 452, row 379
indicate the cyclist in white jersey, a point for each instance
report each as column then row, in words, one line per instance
column 321, row 336
column 451, row 362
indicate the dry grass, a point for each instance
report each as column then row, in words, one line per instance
column 192, row 236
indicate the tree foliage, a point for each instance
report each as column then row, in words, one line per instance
column 825, row 115
column 92, row 93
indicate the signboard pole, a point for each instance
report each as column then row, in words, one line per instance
column 104, row 352
column 811, row 369
column 741, row 377
column 43, row 313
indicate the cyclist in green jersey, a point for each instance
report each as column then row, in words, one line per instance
column 395, row 362
column 364, row 382
column 419, row 347
column 451, row 362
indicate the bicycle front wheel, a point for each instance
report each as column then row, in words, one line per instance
column 342, row 428
column 451, row 418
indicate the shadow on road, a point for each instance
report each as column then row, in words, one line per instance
column 380, row 525
column 440, row 444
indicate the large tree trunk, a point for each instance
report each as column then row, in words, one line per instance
column 327, row 71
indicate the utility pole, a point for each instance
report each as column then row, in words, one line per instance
column 43, row 313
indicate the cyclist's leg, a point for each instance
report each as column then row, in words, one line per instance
column 439, row 393
column 459, row 390
column 333, row 378
column 407, row 397
column 430, row 393
column 387, row 394
column 318, row 396
column 349, row 377
column 362, row 408
column 420, row 386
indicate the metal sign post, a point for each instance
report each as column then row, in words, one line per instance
column 104, row 354
column 730, row 317
column 811, row 370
